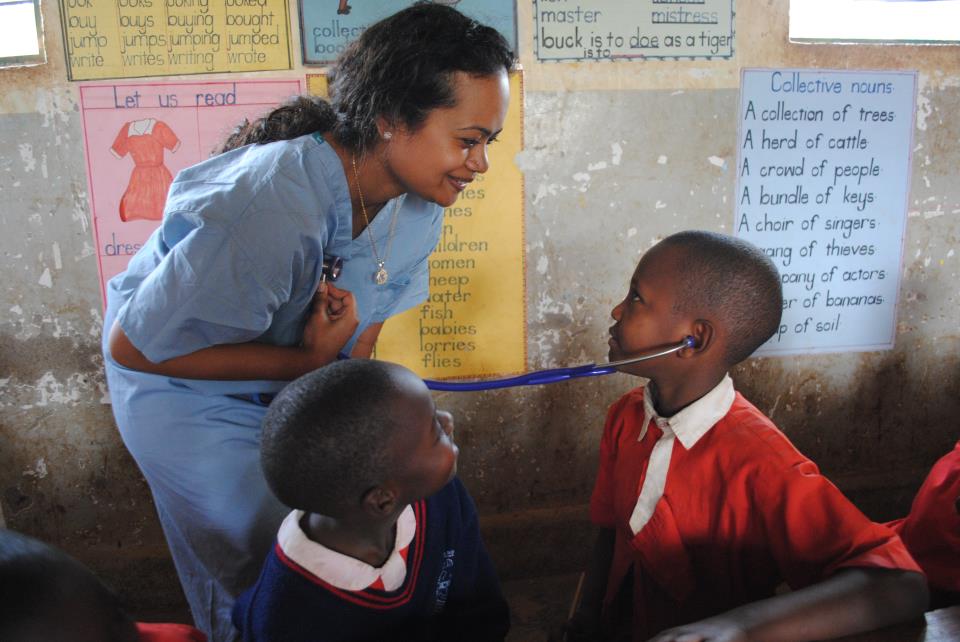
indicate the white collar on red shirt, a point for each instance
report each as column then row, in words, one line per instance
column 687, row 426
column 694, row 421
column 343, row 571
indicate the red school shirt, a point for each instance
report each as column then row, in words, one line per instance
column 741, row 511
column 163, row 632
column 931, row 531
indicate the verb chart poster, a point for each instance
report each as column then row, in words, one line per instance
column 822, row 184
column 138, row 136
column 132, row 38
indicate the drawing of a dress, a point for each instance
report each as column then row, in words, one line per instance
column 146, row 193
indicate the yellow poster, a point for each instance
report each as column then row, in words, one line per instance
column 317, row 85
column 474, row 323
column 136, row 38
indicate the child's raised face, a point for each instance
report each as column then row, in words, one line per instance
column 428, row 454
column 647, row 318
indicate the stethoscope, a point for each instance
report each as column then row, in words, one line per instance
column 553, row 375
column 332, row 265
column 331, row 270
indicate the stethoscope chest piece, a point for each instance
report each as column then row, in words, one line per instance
column 332, row 265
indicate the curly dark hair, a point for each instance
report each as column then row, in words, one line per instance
column 297, row 116
column 399, row 69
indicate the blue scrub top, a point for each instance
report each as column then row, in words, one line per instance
column 239, row 253
column 238, row 258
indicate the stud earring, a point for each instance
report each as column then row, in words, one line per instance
column 388, row 135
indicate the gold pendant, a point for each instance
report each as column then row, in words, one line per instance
column 381, row 276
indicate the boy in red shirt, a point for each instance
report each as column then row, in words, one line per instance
column 704, row 506
column 931, row 532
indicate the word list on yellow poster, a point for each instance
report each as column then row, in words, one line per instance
column 137, row 38
column 474, row 323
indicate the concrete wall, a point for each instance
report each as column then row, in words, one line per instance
column 875, row 422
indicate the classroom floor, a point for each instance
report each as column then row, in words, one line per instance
column 539, row 605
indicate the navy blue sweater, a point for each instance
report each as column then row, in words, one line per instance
column 450, row 592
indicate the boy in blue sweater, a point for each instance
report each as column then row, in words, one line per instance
column 384, row 543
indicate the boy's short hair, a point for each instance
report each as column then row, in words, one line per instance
column 47, row 595
column 732, row 282
column 327, row 436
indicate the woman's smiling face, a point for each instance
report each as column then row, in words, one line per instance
column 439, row 159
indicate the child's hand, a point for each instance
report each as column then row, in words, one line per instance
column 333, row 320
column 722, row 628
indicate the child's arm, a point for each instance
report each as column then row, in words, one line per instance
column 585, row 623
column 330, row 325
column 851, row 601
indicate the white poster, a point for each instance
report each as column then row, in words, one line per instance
column 822, row 184
column 587, row 30
column 875, row 20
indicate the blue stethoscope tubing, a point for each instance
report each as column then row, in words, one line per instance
column 331, row 270
column 553, row 375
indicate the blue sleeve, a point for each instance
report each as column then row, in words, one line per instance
column 247, row 614
column 274, row 609
column 238, row 614
column 214, row 286
column 476, row 608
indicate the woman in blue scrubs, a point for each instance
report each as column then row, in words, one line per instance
column 224, row 304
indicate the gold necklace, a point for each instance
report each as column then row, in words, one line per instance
column 381, row 275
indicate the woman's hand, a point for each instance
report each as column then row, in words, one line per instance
column 331, row 323
column 333, row 320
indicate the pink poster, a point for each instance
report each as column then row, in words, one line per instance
column 138, row 136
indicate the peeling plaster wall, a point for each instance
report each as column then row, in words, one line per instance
column 617, row 156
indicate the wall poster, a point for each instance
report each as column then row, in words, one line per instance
column 138, row 136
column 589, row 30
column 913, row 21
column 327, row 27
column 822, row 183
column 136, row 38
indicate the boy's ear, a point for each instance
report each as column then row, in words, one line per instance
column 380, row 501
column 703, row 335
